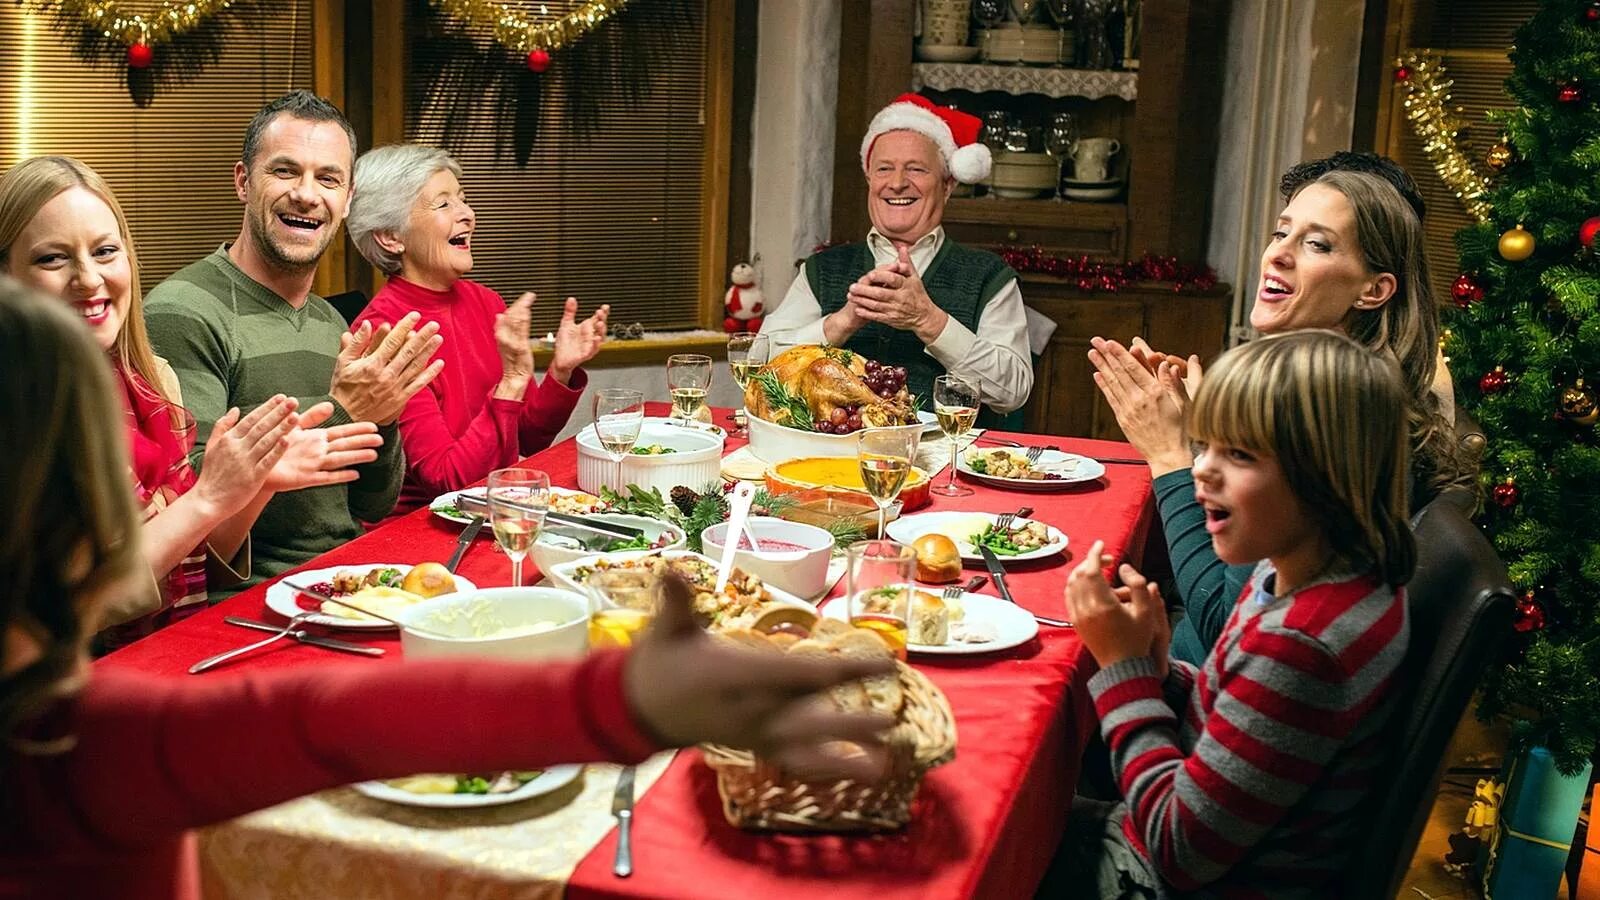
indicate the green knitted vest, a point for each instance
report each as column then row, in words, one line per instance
column 960, row 280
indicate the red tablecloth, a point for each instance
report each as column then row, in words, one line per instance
column 985, row 824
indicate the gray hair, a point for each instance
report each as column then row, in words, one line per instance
column 387, row 183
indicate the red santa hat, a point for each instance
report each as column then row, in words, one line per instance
column 954, row 132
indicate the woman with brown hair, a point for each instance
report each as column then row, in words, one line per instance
column 1346, row 254
column 63, row 232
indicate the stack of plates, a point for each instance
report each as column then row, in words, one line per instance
column 946, row 53
column 1091, row 190
column 1023, row 176
column 1010, row 43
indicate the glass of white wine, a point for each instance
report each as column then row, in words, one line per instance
column 618, row 416
column 747, row 353
column 622, row 603
column 688, row 379
column 878, row 584
column 885, row 456
column 518, row 500
column 955, row 403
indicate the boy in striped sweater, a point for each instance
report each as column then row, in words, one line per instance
column 1242, row 776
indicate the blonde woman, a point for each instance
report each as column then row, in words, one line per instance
column 95, row 805
column 62, row 232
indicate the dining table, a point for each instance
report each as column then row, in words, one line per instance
column 984, row 824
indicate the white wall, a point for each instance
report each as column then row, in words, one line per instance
column 791, row 155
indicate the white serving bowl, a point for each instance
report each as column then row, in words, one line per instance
column 549, row 551
column 775, row 443
column 482, row 623
column 803, row 573
column 697, row 462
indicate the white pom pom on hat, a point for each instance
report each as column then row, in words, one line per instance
column 955, row 133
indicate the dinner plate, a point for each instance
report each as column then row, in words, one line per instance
column 566, row 574
column 1072, row 468
column 439, row 504
column 551, row 779
column 1013, row 625
column 961, row 526
column 281, row 598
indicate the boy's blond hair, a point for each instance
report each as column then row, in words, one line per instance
column 1334, row 416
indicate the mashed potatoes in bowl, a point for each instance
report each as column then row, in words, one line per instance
column 521, row 623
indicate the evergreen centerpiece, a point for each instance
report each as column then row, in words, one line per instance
column 1523, row 360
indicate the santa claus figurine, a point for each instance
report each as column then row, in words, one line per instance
column 743, row 302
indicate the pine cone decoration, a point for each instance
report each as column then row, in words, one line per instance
column 684, row 498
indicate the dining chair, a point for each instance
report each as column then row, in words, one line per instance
column 1460, row 606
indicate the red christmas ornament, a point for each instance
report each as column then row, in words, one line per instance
column 1466, row 290
column 1494, row 382
column 1592, row 14
column 1401, row 73
column 140, row 55
column 1569, row 93
column 1505, row 494
column 1587, row 232
column 538, row 60
column 1531, row 615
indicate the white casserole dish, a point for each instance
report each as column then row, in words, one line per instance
column 696, row 463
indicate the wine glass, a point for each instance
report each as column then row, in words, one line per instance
column 989, row 13
column 955, row 403
column 618, row 416
column 996, row 123
column 885, row 456
column 688, row 379
column 518, row 500
column 747, row 353
column 878, row 583
column 1058, row 142
column 622, row 603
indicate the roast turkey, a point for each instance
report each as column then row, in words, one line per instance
column 826, row 379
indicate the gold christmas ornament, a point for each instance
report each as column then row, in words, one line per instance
column 526, row 32
column 107, row 17
column 1516, row 245
column 1439, row 126
column 1499, row 156
column 1578, row 404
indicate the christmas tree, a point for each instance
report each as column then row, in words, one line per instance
column 1524, row 348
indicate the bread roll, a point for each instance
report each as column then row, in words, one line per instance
column 938, row 560
column 930, row 619
column 429, row 579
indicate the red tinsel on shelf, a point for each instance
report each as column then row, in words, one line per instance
column 1092, row 276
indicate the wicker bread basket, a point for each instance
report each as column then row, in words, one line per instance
column 756, row 795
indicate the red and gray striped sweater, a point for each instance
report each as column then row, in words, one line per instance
column 1243, row 776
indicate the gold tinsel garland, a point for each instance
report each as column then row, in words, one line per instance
column 522, row 32
column 107, row 18
column 1427, row 106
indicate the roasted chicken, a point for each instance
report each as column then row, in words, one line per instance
column 825, row 379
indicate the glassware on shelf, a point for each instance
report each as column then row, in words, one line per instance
column 1018, row 139
column 996, row 122
column 1094, row 38
column 989, row 14
column 1060, row 12
column 1058, row 141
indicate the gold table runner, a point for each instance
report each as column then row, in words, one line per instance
column 340, row 844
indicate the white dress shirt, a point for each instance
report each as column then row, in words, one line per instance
column 995, row 360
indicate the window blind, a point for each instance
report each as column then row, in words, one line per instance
column 607, row 210
column 171, row 162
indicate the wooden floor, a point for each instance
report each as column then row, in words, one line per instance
column 1474, row 745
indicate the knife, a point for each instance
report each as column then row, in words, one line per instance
column 305, row 637
column 468, row 534
column 998, row 576
column 622, row 808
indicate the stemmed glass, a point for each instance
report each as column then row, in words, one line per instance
column 747, row 353
column 885, row 456
column 688, row 379
column 618, row 416
column 989, row 13
column 1058, row 142
column 955, row 403
column 518, row 500
column 996, row 124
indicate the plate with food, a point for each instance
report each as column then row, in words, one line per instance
column 1025, row 539
column 387, row 588
column 737, row 606
column 470, row 791
column 969, row 624
column 562, row 500
column 1008, row 467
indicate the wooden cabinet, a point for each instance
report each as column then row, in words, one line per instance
column 1065, row 400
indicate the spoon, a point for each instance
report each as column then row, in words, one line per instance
column 738, row 513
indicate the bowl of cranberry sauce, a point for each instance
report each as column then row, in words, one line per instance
column 791, row 556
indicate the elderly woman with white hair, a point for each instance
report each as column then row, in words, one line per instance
column 409, row 217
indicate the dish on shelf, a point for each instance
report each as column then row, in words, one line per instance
column 1098, row 193
column 946, row 54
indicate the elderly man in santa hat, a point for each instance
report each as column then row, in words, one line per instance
column 909, row 296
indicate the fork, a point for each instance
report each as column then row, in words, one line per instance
column 1034, row 453
column 1002, row 522
column 213, row 661
column 953, row 592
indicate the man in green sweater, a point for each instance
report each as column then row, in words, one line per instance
column 242, row 324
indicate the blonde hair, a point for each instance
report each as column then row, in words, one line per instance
column 1406, row 328
column 72, row 524
column 23, row 192
column 1332, row 413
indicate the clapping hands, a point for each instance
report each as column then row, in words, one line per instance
column 1149, row 393
column 894, row 295
column 577, row 342
column 320, row 456
column 1122, row 623
column 378, row 370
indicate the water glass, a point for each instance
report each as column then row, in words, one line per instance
column 878, row 583
column 622, row 602
column 518, row 500
column 618, row 416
